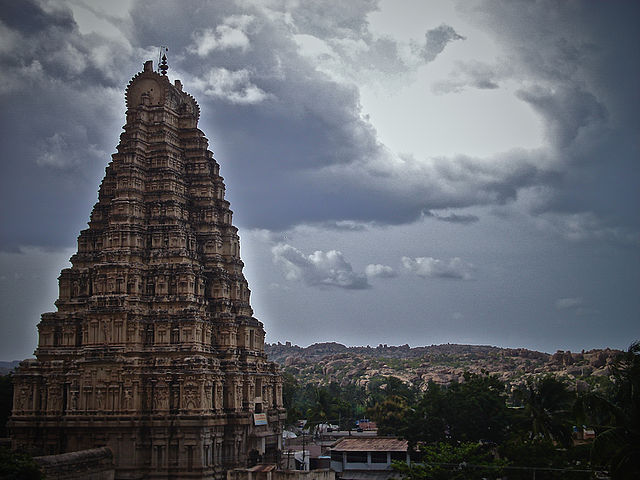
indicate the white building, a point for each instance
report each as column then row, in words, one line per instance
column 366, row 458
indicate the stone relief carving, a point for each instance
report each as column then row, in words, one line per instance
column 191, row 398
column 161, row 398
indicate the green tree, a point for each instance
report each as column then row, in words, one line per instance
column 18, row 466
column 289, row 389
column 382, row 388
column 348, row 404
column 469, row 411
column 390, row 400
column 476, row 409
column 390, row 415
column 6, row 402
column 428, row 421
column 324, row 408
column 444, row 461
column 617, row 418
column 546, row 411
column 553, row 461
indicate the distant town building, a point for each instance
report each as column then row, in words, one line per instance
column 366, row 424
column 367, row 458
column 154, row 351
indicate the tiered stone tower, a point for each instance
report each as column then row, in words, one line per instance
column 154, row 351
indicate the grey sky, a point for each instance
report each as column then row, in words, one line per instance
column 401, row 171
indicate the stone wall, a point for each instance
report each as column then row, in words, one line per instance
column 94, row 464
column 258, row 473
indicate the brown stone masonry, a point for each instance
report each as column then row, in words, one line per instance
column 154, row 350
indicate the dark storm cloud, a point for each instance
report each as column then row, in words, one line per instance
column 58, row 118
column 277, row 124
column 577, row 63
column 400, row 190
column 334, row 19
column 472, row 74
column 286, row 124
column 314, row 146
column 28, row 17
column 567, row 110
column 293, row 143
column 345, row 226
column 303, row 121
column 45, row 46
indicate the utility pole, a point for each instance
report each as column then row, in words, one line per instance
column 303, row 450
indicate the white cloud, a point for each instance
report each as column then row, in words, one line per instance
column 64, row 150
column 266, row 236
column 569, row 303
column 318, row 269
column 312, row 47
column 431, row 267
column 232, row 34
column 366, row 56
column 233, row 86
column 377, row 270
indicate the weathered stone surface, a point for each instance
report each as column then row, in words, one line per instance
column 94, row 464
column 154, row 350
column 273, row 474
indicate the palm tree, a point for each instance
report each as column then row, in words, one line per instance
column 617, row 419
column 547, row 405
column 322, row 408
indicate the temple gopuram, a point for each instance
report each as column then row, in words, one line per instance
column 153, row 350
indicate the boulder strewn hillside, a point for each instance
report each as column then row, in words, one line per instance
column 323, row 363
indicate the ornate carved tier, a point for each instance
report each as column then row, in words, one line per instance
column 154, row 350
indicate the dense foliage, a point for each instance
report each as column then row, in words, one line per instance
column 6, row 402
column 13, row 465
column 332, row 404
column 444, row 461
column 18, row 466
column 616, row 417
column 481, row 428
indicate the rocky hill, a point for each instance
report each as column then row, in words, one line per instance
column 322, row 363
column 8, row 367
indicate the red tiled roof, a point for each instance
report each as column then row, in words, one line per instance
column 263, row 468
column 370, row 444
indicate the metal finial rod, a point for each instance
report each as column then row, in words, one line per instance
column 162, row 61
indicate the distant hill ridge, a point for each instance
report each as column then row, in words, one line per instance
column 279, row 351
column 323, row 363
column 7, row 367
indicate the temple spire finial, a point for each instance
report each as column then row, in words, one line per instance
column 163, row 67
